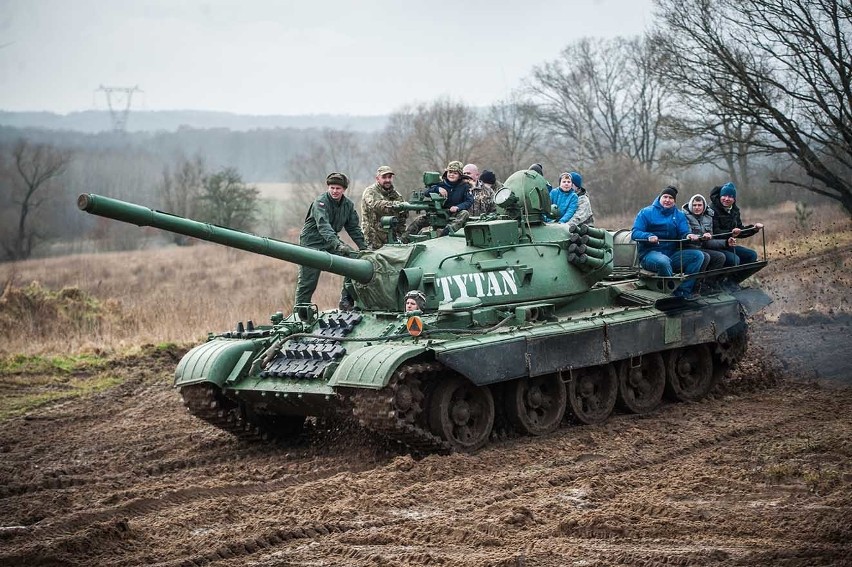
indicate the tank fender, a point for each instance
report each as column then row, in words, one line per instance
column 372, row 366
column 214, row 361
column 752, row 300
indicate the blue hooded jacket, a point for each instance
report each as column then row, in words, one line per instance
column 566, row 202
column 656, row 220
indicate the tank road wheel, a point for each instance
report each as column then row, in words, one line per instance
column 592, row 393
column 536, row 405
column 689, row 373
column 407, row 398
column 640, row 387
column 461, row 413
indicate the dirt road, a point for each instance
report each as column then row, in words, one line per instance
column 759, row 474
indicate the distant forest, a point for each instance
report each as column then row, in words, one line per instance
column 261, row 155
column 97, row 121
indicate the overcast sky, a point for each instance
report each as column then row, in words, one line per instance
column 288, row 57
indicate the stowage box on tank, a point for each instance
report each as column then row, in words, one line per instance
column 526, row 324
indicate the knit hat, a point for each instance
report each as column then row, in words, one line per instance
column 728, row 190
column 670, row 190
column 337, row 179
column 487, row 176
column 537, row 168
column 576, row 179
column 694, row 198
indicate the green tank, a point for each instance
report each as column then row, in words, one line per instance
column 522, row 325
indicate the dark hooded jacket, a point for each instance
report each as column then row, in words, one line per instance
column 726, row 220
column 458, row 194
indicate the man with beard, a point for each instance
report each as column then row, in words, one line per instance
column 377, row 201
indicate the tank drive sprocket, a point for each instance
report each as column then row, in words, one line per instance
column 395, row 411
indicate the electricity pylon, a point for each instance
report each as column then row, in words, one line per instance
column 118, row 100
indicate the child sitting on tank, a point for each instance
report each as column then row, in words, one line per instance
column 455, row 188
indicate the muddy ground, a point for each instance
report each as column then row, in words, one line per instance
column 757, row 474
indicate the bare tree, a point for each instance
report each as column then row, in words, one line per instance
column 34, row 167
column 512, row 135
column 396, row 145
column 782, row 66
column 713, row 137
column 228, row 201
column 602, row 98
column 181, row 190
column 333, row 150
column 444, row 131
column 429, row 136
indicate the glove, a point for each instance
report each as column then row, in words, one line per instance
column 344, row 249
column 397, row 206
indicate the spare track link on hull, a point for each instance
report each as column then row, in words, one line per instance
column 376, row 410
column 208, row 403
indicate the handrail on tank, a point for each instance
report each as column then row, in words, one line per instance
column 360, row 270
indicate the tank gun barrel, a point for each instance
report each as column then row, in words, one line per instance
column 358, row 269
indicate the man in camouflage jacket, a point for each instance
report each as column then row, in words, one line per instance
column 483, row 194
column 377, row 201
column 329, row 214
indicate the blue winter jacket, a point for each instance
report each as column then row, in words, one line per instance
column 655, row 220
column 566, row 202
column 458, row 195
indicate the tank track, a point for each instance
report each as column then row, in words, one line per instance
column 380, row 410
column 732, row 345
column 206, row 402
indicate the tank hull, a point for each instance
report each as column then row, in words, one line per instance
column 525, row 325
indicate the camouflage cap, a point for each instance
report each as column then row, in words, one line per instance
column 455, row 166
column 384, row 170
column 337, row 179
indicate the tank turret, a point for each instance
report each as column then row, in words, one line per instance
column 519, row 322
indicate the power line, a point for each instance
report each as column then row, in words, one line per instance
column 119, row 100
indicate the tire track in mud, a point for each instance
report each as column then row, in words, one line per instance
column 435, row 529
column 482, row 534
column 90, row 475
column 218, row 455
column 628, row 465
column 146, row 505
column 270, row 539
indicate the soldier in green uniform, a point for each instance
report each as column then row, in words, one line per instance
column 377, row 201
column 328, row 214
